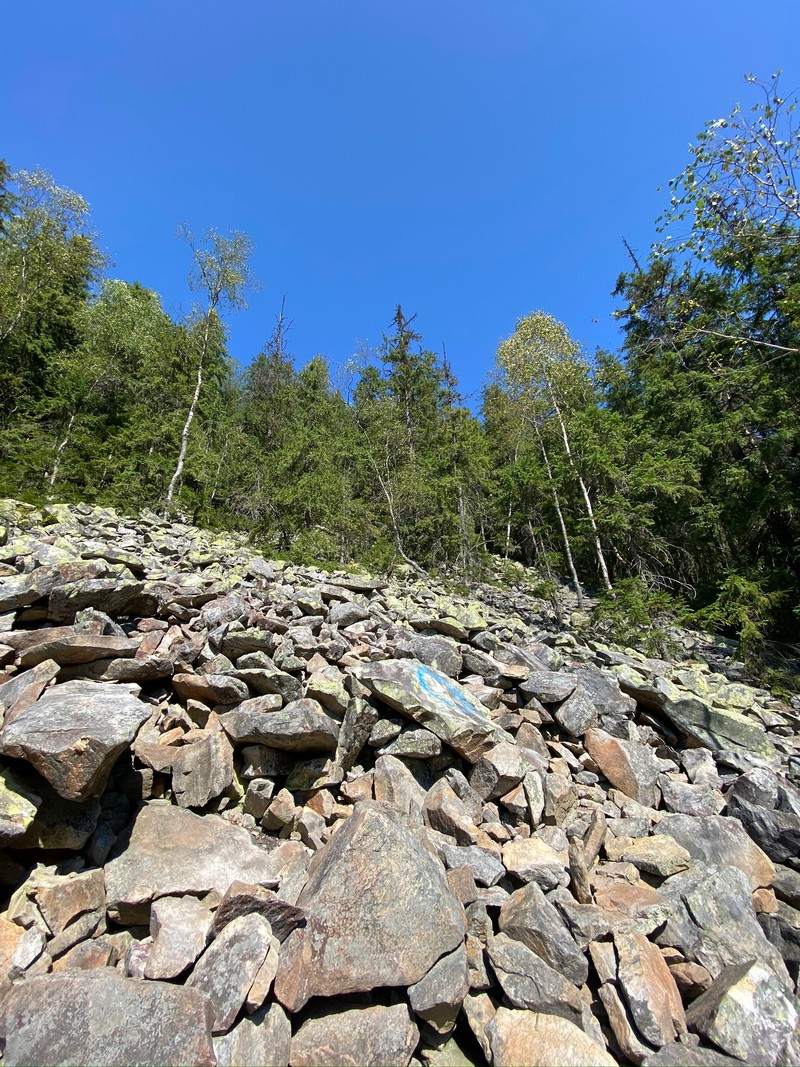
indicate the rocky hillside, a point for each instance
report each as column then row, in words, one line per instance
column 255, row 813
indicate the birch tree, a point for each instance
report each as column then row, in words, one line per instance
column 543, row 371
column 221, row 272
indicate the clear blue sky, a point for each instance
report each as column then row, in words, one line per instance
column 471, row 159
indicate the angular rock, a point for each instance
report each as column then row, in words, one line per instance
column 302, row 726
column 180, row 928
column 549, row 686
column 713, row 922
column 23, row 689
column 434, row 701
column 265, row 1038
column 373, row 882
column 243, row 898
column 227, row 968
column 746, row 1013
column 383, row 1036
column 501, row 768
column 74, row 733
column 776, row 832
column 77, row 648
column 528, row 1037
column 532, row 860
column 718, row 839
column 395, row 785
column 438, row 997
column 577, row 713
column 717, row 729
column 210, row 688
column 357, row 727
column 445, row 812
column 171, row 852
column 202, row 770
column 630, row 766
column 649, row 989
column 529, row 982
column 690, row 799
column 63, row 898
column 101, row 1017
column 529, row 917
column 414, row 744
column 660, row 855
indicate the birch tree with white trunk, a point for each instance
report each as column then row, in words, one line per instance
column 543, row 372
column 221, row 272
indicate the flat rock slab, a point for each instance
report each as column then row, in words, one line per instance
column 379, row 1036
column 81, row 1017
column 521, row 1037
column 717, row 729
column 719, row 839
column 380, row 912
column 74, row 733
column 77, row 648
column 22, row 690
column 434, row 701
column 171, row 852
column 180, row 928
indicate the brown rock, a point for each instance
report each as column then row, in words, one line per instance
column 63, row 898
column 171, row 852
column 528, row 1037
column 101, row 1017
column 180, row 928
column 374, row 882
column 632, row 767
column 379, row 1035
column 202, row 770
column 649, row 989
column 263, row 1039
column 438, row 997
column 226, row 970
column 717, row 839
column 74, row 733
column 243, row 898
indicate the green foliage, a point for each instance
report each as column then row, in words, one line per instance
column 639, row 617
column 743, row 608
column 670, row 470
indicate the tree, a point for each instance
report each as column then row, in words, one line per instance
column 220, row 270
column 542, row 369
column 712, row 344
column 48, row 263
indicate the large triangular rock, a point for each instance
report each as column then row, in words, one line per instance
column 380, row 912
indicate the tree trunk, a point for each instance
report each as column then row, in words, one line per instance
column 190, row 416
column 557, row 505
column 59, row 451
column 601, row 559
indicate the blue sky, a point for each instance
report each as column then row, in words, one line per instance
column 471, row 159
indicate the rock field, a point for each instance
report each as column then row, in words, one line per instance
column 254, row 813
